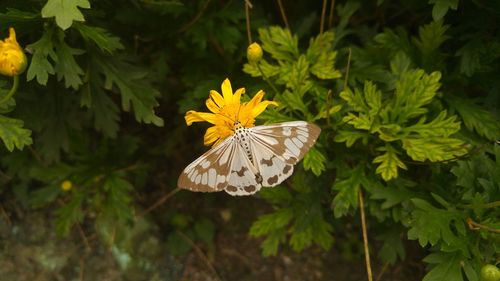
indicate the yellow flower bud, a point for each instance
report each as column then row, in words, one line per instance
column 13, row 61
column 66, row 185
column 254, row 53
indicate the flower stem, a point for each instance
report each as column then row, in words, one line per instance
column 267, row 80
column 482, row 206
column 13, row 90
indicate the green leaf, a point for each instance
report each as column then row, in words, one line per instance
column 348, row 189
column 271, row 243
column 476, row 118
column 414, row 89
column 69, row 214
column 205, row 230
column 293, row 101
column 394, row 194
column 66, row 67
column 40, row 66
column 431, row 36
column 105, row 111
column 440, row 126
column 271, row 222
column 65, row 11
column 117, row 198
column 392, row 247
column 134, row 89
column 13, row 134
column 350, row 137
column 322, row 58
column 430, row 225
column 447, row 267
column 389, row 163
column 441, row 7
column 280, row 43
column 101, row 37
column 434, row 149
column 315, row 161
column 278, row 195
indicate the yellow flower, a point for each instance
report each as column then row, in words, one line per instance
column 66, row 185
column 254, row 53
column 13, row 61
column 228, row 113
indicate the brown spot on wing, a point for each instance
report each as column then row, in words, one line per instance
column 267, row 162
column 286, row 169
column 250, row 188
column 231, row 188
column 241, row 172
column 272, row 180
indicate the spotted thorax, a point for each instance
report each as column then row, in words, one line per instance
column 244, row 157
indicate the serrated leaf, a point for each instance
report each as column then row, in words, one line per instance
column 69, row 214
column 434, row 149
column 293, row 101
column 347, row 196
column 133, row 88
column 117, row 198
column 394, row 194
column 392, row 248
column 322, row 57
column 65, row 11
column 13, row 134
column 271, row 222
column 447, row 267
column 277, row 195
column 430, row 225
column 66, row 67
column 101, row 37
column 441, row 7
column 40, row 66
column 414, row 89
column 431, row 36
column 476, row 118
column 263, row 67
column 271, row 243
column 350, row 137
column 389, row 163
column 280, row 43
column 314, row 160
column 440, row 126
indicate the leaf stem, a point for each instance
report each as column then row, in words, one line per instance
column 267, row 79
column 365, row 236
column 160, row 201
column 13, row 90
column 482, row 206
column 476, row 226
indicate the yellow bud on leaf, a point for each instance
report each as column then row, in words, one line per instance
column 13, row 61
column 254, row 53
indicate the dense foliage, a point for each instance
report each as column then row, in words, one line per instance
column 407, row 95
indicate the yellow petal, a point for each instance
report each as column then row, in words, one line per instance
column 211, row 136
column 212, row 106
column 237, row 95
column 227, row 91
column 217, row 98
column 257, row 110
column 194, row 116
column 256, row 99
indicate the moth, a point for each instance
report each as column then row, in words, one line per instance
column 251, row 158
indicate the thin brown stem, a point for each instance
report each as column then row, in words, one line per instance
column 330, row 18
column 283, row 14
column 323, row 15
column 84, row 237
column 196, row 17
column 365, row 236
column 384, row 268
column 248, row 6
column 160, row 201
column 477, row 226
column 199, row 252
column 348, row 68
